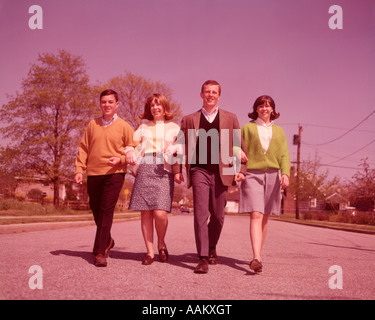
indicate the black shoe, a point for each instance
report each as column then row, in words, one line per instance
column 147, row 260
column 111, row 244
column 256, row 265
column 163, row 255
column 100, row 260
column 202, row 266
column 212, row 256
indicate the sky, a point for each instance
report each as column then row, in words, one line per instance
column 321, row 73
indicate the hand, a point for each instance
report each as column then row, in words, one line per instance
column 284, row 182
column 129, row 157
column 171, row 150
column 114, row 161
column 178, row 177
column 78, row 178
column 242, row 156
column 239, row 177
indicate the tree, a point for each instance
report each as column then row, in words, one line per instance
column 133, row 91
column 45, row 122
column 363, row 187
column 313, row 182
column 7, row 183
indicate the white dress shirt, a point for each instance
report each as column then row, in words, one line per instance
column 210, row 117
column 108, row 123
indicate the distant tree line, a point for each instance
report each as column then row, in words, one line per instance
column 44, row 123
column 46, row 120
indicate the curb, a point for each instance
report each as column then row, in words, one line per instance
column 330, row 227
column 42, row 226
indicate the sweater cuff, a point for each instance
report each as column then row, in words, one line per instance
column 123, row 159
column 79, row 170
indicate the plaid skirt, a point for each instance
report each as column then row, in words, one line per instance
column 261, row 191
column 153, row 188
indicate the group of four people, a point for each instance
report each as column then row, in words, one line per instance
column 216, row 152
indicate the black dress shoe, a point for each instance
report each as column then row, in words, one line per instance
column 212, row 257
column 202, row 266
column 100, row 260
column 163, row 255
column 256, row 265
column 111, row 244
column 147, row 260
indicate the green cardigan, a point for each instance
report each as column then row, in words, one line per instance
column 277, row 155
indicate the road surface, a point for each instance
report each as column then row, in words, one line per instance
column 300, row 262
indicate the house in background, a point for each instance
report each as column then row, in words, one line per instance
column 27, row 183
column 337, row 202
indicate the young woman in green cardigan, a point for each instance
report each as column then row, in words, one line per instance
column 268, row 170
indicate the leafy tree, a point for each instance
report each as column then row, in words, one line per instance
column 7, row 183
column 45, row 122
column 314, row 183
column 363, row 187
column 133, row 91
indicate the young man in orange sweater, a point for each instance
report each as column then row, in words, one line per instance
column 100, row 154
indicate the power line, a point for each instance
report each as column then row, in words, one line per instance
column 321, row 126
column 341, row 158
column 329, row 165
column 347, row 156
column 339, row 137
column 328, row 154
column 341, row 167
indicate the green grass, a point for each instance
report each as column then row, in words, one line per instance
column 14, row 211
column 333, row 224
column 336, row 223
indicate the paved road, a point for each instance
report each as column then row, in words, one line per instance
column 297, row 260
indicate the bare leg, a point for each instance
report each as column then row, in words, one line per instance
column 147, row 226
column 161, row 224
column 258, row 232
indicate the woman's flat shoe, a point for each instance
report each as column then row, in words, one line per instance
column 148, row 260
column 256, row 265
column 163, row 255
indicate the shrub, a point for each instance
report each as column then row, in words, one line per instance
column 4, row 205
column 35, row 194
column 19, row 196
column 321, row 216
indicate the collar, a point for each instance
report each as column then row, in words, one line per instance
column 261, row 123
column 212, row 114
column 107, row 123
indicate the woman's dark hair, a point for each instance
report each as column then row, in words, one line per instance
column 160, row 99
column 261, row 101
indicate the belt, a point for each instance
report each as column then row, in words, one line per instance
column 153, row 154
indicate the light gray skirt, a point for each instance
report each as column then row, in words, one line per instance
column 153, row 188
column 261, row 191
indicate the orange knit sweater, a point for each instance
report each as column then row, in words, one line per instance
column 100, row 143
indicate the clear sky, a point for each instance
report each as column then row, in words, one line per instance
column 320, row 78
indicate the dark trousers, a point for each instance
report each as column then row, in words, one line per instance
column 103, row 192
column 210, row 196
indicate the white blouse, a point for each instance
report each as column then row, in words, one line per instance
column 265, row 133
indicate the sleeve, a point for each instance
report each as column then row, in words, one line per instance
column 83, row 150
column 285, row 157
column 129, row 141
column 238, row 145
column 174, row 150
column 181, row 147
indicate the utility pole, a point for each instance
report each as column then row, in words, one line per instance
column 297, row 141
